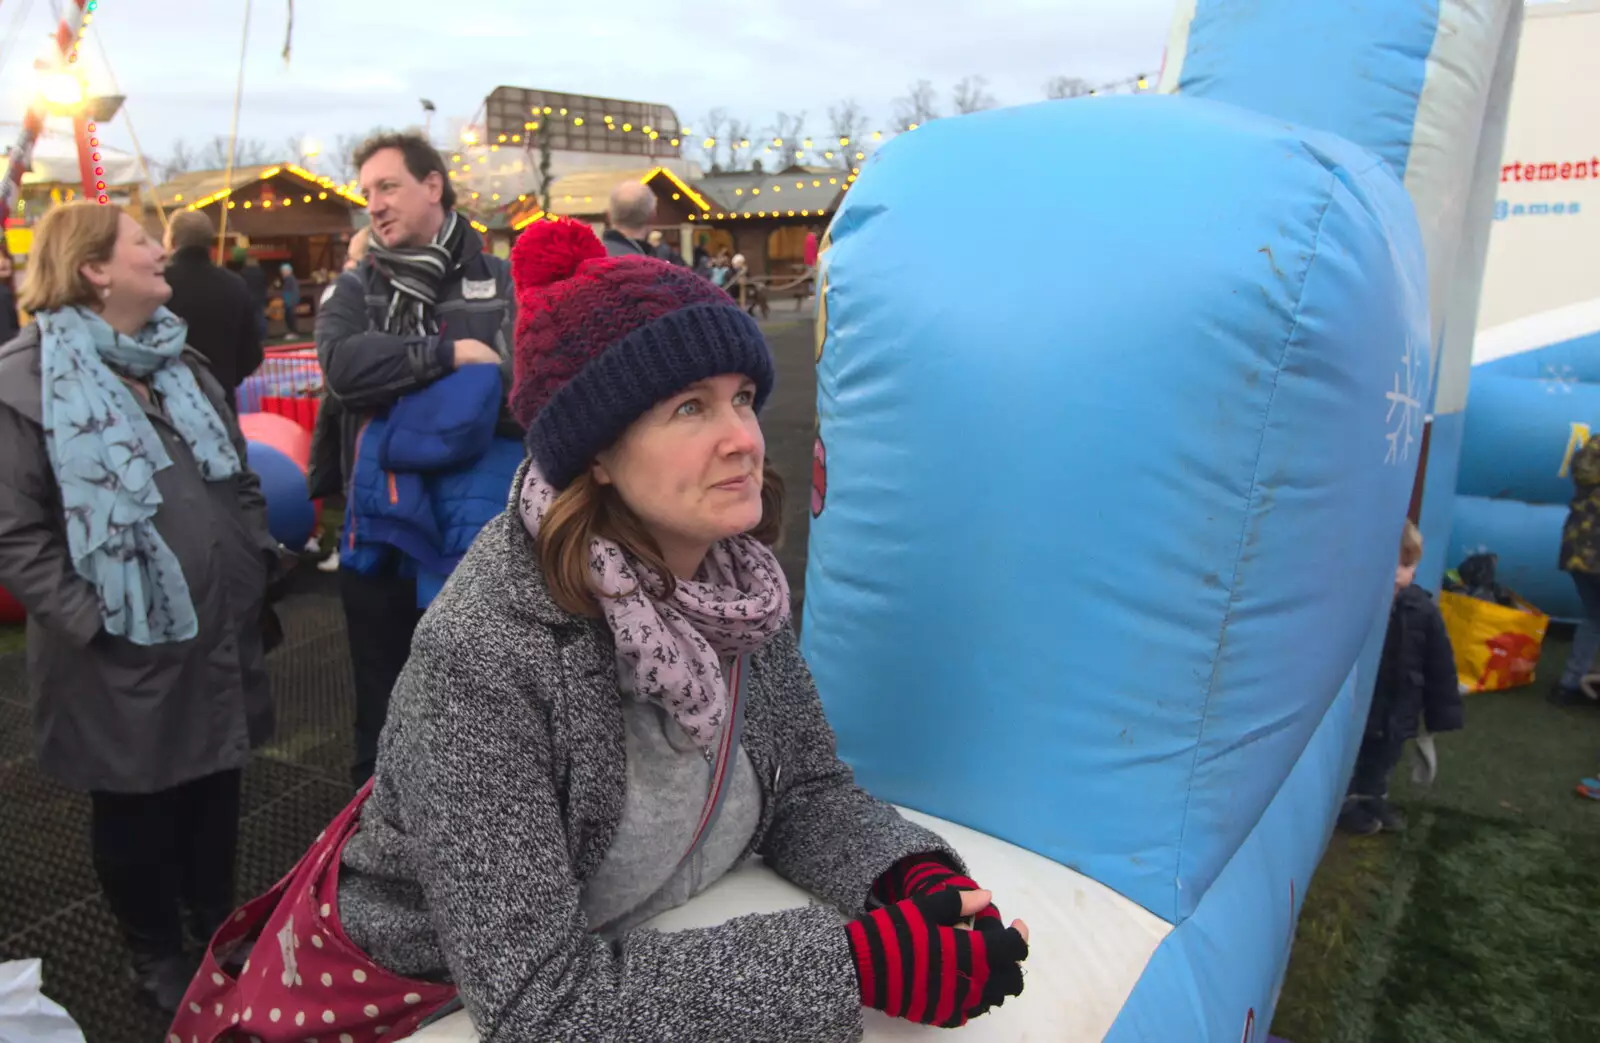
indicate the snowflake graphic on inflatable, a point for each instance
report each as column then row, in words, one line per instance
column 1405, row 406
column 1558, row 378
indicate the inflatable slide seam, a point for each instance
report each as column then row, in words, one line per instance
column 1252, row 498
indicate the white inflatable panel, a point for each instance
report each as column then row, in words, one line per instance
column 1089, row 944
column 1537, row 331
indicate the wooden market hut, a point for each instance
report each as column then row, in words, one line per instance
column 282, row 211
column 766, row 216
column 679, row 205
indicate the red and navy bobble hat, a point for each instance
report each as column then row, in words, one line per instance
column 600, row 340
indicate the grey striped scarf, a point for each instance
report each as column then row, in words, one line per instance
column 416, row 273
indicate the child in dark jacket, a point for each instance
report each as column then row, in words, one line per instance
column 1416, row 684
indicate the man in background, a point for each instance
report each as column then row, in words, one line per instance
column 215, row 302
column 427, row 300
column 630, row 212
column 255, row 280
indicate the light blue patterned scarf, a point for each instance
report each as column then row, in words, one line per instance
column 106, row 454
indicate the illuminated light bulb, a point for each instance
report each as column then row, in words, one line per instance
column 791, row 213
column 627, row 128
column 817, row 183
column 676, row 196
column 563, row 111
column 1144, row 84
column 777, row 188
column 247, row 204
column 833, row 181
column 755, row 191
column 547, row 110
column 861, row 155
column 516, row 139
column 844, row 142
column 305, row 199
column 502, row 137
column 709, row 143
column 799, row 184
column 827, row 155
column 691, row 217
column 266, row 202
column 778, row 142
column 494, row 148
column 674, row 142
column 62, row 89
column 914, row 126
column 522, row 199
column 608, row 119
column 231, row 205
column 178, row 198
column 495, row 197
column 877, row 135
column 654, row 135
column 287, row 202
column 322, row 195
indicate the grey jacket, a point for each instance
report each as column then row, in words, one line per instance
column 107, row 714
column 367, row 370
column 500, row 785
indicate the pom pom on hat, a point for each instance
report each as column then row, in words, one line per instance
column 550, row 251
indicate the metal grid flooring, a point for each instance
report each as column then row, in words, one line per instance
column 50, row 904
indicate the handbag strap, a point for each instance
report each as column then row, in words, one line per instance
column 727, row 748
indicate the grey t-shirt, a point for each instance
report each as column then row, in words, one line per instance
column 643, row 873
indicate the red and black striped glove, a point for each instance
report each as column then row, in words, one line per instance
column 913, row 962
column 926, row 875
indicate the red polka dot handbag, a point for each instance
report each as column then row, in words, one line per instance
column 304, row 981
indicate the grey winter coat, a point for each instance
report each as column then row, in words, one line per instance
column 499, row 787
column 107, row 714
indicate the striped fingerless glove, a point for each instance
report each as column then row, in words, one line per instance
column 926, row 875
column 913, row 962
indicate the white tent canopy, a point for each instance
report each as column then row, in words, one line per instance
column 55, row 158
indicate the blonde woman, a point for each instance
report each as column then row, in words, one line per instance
column 135, row 536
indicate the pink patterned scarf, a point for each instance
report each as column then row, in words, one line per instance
column 671, row 651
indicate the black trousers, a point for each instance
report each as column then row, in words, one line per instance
column 380, row 615
column 160, row 854
column 1379, row 755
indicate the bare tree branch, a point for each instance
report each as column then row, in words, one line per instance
column 738, row 133
column 786, row 137
column 1066, row 87
column 179, row 161
column 971, row 95
column 846, row 122
column 917, row 107
column 711, row 129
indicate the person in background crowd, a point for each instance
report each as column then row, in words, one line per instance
column 663, row 250
column 10, row 324
column 630, row 212
column 214, row 302
column 1416, row 684
column 325, row 477
column 439, row 301
column 1580, row 558
column 289, row 290
column 255, row 280
column 615, row 645
column 144, row 596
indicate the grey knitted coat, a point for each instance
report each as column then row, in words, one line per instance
column 500, row 783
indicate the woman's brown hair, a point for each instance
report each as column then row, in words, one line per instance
column 586, row 509
column 69, row 237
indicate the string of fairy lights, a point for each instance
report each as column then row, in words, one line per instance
column 477, row 152
column 684, row 136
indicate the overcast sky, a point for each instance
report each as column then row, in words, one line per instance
column 359, row 64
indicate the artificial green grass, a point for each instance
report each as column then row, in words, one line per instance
column 1500, row 939
column 1482, row 922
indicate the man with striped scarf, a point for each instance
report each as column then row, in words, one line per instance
column 426, row 300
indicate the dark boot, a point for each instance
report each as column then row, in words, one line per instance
column 1357, row 818
column 1391, row 820
column 160, row 974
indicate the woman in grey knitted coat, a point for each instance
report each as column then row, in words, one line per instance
column 606, row 710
